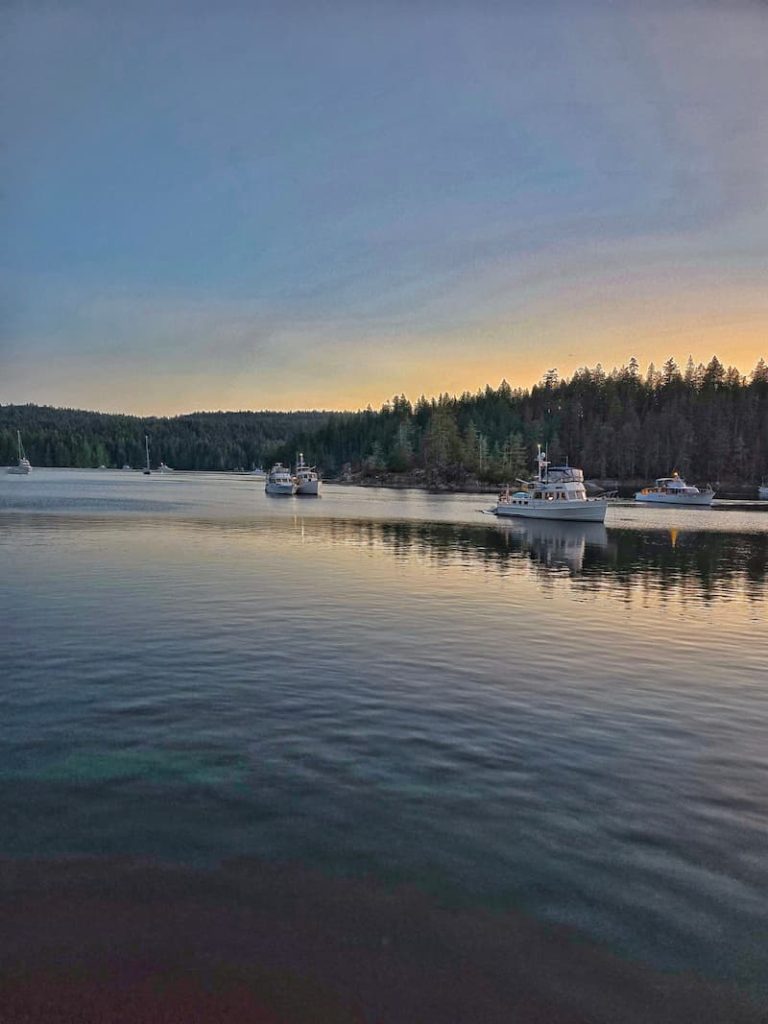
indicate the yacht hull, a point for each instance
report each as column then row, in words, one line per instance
column 675, row 499
column 284, row 490
column 19, row 470
column 575, row 512
column 309, row 488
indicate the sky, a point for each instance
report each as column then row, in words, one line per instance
column 318, row 205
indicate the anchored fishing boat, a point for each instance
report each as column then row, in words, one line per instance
column 673, row 490
column 557, row 492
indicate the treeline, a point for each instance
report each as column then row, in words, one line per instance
column 708, row 422
column 212, row 441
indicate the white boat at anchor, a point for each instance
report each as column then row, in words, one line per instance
column 558, row 492
column 307, row 480
column 23, row 466
column 280, row 481
column 673, row 490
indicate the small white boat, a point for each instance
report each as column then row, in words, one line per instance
column 126, row 466
column 762, row 492
column 280, row 481
column 307, row 480
column 162, row 468
column 673, row 490
column 23, row 467
column 146, row 471
column 558, row 492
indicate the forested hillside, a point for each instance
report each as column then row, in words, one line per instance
column 217, row 440
column 709, row 422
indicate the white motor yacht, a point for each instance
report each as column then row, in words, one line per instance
column 162, row 468
column 280, row 480
column 558, row 492
column 23, row 467
column 673, row 490
column 307, row 480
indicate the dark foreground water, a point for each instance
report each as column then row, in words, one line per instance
column 564, row 722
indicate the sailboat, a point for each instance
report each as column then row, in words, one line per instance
column 146, row 469
column 23, row 467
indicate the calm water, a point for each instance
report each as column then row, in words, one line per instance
column 572, row 720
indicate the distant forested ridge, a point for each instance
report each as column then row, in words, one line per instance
column 203, row 440
column 708, row 422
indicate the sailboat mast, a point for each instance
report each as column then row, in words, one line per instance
column 146, row 445
column 18, row 441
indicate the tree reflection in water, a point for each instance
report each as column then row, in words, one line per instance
column 706, row 564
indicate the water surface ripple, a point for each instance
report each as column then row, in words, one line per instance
column 568, row 719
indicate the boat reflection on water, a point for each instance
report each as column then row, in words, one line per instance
column 623, row 561
column 559, row 544
column 708, row 564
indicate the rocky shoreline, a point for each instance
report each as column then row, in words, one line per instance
column 437, row 484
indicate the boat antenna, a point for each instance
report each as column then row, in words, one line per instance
column 543, row 464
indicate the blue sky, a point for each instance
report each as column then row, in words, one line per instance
column 263, row 205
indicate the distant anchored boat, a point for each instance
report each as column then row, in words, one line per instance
column 673, row 490
column 162, row 468
column 307, row 480
column 558, row 492
column 280, row 481
column 23, row 466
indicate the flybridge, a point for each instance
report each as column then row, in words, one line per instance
column 556, row 474
column 565, row 474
